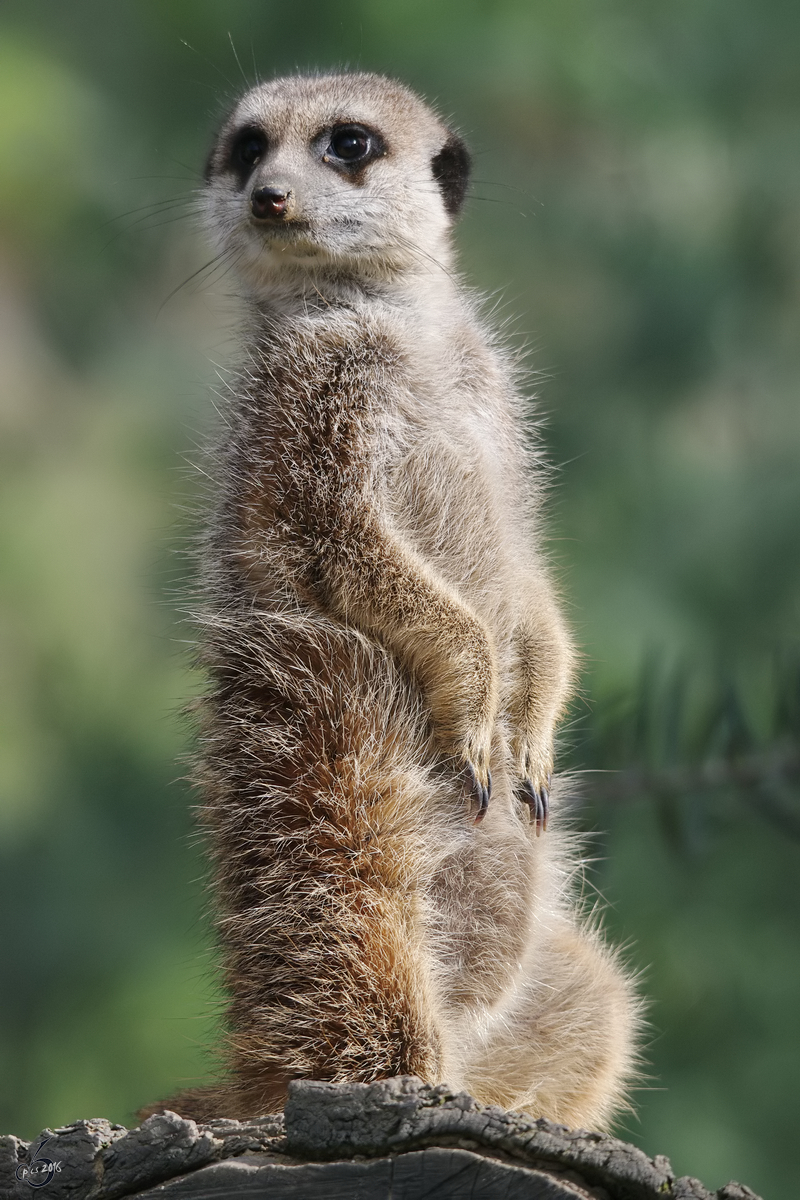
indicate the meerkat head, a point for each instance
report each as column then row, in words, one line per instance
column 350, row 171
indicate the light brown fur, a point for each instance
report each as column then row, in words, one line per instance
column 380, row 632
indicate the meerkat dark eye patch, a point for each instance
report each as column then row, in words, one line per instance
column 451, row 168
column 247, row 149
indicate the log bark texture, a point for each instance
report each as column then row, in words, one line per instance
column 398, row 1139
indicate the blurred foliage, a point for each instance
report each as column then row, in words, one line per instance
column 635, row 208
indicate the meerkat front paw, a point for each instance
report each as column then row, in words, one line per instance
column 473, row 753
column 475, row 748
column 532, row 787
column 464, row 706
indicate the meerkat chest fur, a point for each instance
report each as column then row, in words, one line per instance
column 385, row 649
column 402, row 408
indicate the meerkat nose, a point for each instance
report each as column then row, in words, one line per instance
column 269, row 202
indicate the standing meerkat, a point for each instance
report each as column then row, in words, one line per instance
column 386, row 652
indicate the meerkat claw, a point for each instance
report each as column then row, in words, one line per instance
column 544, row 803
column 538, row 801
column 487, row 795
column 482, row 794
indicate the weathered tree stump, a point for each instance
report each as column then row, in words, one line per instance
column 398, row 1139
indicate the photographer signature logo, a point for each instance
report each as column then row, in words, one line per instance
column 38, row 1170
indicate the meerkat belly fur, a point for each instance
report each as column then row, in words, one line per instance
column 386, row 652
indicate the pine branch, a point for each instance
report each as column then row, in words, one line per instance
column 770, row 770
column 679, row 733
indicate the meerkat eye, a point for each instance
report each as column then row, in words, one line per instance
column 351, row 143
column 248, row 149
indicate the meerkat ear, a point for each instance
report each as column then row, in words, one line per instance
column 451, row 168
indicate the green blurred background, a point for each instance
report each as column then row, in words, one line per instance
column 635, row 214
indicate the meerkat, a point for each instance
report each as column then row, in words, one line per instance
column 385, row 647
